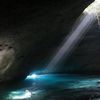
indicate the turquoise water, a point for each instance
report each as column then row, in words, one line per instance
column 39, row 86
column 65, row 81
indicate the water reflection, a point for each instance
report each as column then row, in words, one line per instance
column 20, row 95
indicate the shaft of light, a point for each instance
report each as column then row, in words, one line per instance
column 90, row 14
column 70, row 42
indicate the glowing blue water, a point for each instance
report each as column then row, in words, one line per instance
column 38, row 87
column 65, row 81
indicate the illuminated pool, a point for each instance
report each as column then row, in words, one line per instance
column 64, row 81
column 39, row 87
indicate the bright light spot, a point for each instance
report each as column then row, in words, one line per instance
column 93, row 7
column 97, row 1
column 20, row 95
column 33, row 76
